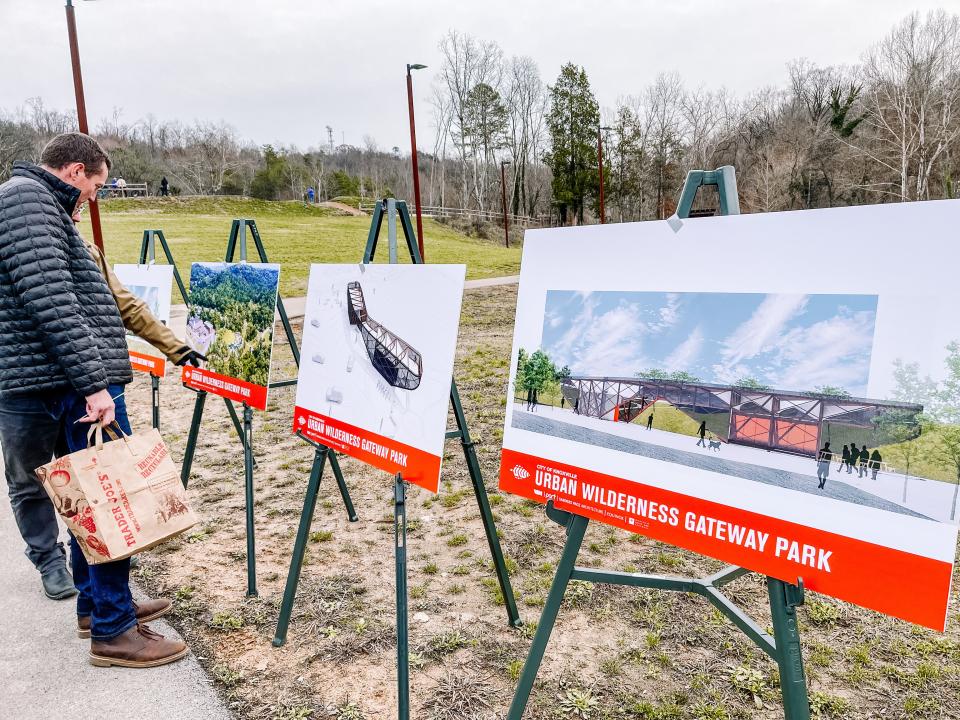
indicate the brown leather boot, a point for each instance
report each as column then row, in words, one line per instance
column 146, row 611
column 138, row 647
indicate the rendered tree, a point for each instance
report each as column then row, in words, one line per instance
column 572, row 123
column 750, row 383
column 950, row 452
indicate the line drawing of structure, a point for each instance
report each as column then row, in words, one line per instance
column 781, row 420
column 396, row 361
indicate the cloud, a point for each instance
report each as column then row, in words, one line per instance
column 602, row 342
column 763, row 329
column 835, row 351
column 683, row 355
column 668, row 315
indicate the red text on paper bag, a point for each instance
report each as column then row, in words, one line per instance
column 231, row 388
column 148, row 363
column 861, row 572
column 416, row 466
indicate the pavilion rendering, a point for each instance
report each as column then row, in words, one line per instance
column 781, row 420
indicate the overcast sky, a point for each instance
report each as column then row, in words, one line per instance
column 281, row 70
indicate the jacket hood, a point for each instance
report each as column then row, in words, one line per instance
column 66, row 194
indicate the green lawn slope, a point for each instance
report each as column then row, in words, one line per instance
column 294, row 236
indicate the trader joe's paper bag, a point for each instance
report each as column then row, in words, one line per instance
column 119, row 497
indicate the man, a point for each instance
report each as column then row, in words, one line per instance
column 824, row 458
column 164, row 187
column 65, row 363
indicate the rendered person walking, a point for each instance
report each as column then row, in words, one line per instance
column 844, row 458
column 650, row 421
column 854, row 457
column 864, row 460
column 535, row 401
column 824, row 458
column 875, row 460
column 702, row 432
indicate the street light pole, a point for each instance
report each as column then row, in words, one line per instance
column 82, row 111
column 603, row 215
column 413, row 154
column 503, row 191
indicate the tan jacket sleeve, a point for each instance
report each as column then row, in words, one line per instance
column 135, row 314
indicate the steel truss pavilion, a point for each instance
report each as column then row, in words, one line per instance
column 398, row 363
column 771, row 419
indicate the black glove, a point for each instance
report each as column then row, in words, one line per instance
column 192, row 357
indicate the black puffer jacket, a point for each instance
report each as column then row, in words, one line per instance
column 59, row 323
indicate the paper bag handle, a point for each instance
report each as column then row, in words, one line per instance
column 96, row 432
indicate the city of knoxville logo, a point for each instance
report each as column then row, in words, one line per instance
column 519, row 472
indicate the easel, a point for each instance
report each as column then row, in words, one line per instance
column 238, row 232
column 148, row 256
column 393, row 209
column 784, row 646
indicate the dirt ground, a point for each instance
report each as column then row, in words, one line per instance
column 615, row 653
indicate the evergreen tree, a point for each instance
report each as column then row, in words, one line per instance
column 572, row 122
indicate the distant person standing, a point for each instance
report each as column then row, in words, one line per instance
column 702, row 432
column 864, row 460
column 844, row 457
column 875, row 460
column 854, row 457
column 311, row 194
column 562, row 400
column 650, row 421
column 164, row 187
column 122, row 186
column 824, row 458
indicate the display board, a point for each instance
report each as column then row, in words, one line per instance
column 780, row 391
column 230, row 320
column 377, row 363
column 153, row 285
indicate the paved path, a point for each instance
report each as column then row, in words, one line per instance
column 704, row 461
column 44, row 669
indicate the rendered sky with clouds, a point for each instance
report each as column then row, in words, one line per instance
column 790, row 342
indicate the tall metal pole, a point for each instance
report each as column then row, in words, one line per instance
column 413, row 155
column 503, row 190
column 82, row 111
column 603, row 217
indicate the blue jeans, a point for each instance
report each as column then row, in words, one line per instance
column 34, row 428
column 104, row 589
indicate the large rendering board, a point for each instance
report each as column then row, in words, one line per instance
column 230, row 320
column 780, row 391
column 153, row 285
column 377, row 363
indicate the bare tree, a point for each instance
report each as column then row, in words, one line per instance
column 914, row 78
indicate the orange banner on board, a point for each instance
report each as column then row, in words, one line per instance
column 231, row 388
column 148, row 363
column 415, row 465
column 874, row 576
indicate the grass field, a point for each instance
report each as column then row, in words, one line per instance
column 293, row 235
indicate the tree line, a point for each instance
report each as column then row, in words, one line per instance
column 884, row 130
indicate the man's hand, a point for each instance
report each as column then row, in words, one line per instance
column 192, row 357
column 100, row 408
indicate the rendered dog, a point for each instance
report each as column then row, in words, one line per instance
column 714, row 444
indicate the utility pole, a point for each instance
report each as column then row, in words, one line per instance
column 413, row 154
column 503, row 191
column 82, row 112
column 603, row 216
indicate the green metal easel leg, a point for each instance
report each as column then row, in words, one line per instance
column 576, row 528
column 784, row 600
column 248, row 486
column 342, row 485
column 192, row 437
column 489, row 526
column 155, row 400
column 400, row 549
column 300, row 546
column 235, row 419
